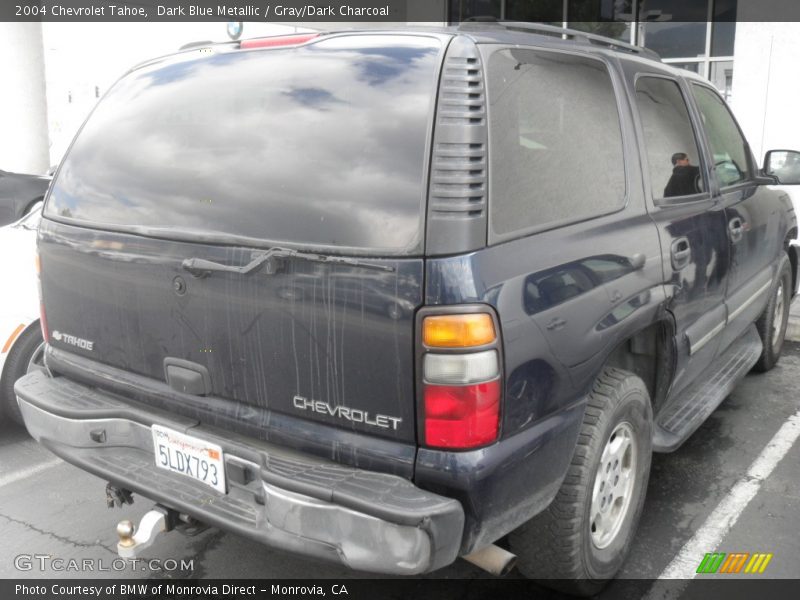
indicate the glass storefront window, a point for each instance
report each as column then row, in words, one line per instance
column 592, row 10
column 674, row 40
column 547, row 11
column 461, row 10
column 722, row 77
column 724, row 27
column 676, row 29
column 611, row 19
column 694, row 67
column 673, row 10
column 722, row 36
column 617, row 31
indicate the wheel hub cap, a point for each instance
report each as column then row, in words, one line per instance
column 777, row 318
column 613, row 486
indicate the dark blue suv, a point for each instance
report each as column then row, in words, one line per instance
column 386, row 298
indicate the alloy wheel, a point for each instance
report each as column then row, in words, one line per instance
column 613, row 485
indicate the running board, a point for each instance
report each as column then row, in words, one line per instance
column 677, row 421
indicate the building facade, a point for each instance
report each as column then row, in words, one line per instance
column 698, row 36
column 752, row 63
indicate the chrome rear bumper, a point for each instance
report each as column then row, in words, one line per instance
column 365, row 520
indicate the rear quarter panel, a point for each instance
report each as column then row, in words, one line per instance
column 553, row 349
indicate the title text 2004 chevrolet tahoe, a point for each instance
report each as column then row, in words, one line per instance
column 385, row 298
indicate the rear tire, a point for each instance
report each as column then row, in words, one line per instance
column 22, row 359
column 582, row 539
column 771, row 325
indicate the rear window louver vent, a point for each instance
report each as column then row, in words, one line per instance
column 457, row 203
column 461, row 98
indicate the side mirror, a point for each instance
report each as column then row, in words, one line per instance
column 783, row 165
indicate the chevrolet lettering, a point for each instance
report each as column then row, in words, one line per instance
column 343, row 412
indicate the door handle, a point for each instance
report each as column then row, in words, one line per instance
column 736, row 227
column 556, row 324
column 681, row 253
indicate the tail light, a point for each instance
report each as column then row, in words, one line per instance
column 278, row 40
column 42, row 316
column 461, row 380
column 458, row 331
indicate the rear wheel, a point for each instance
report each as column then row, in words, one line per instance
column 25, row 356
column 772, row 323
column 581, row 540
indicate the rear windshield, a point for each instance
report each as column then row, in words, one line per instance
column 322, row 145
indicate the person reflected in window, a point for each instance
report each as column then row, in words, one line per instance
column 685, row 177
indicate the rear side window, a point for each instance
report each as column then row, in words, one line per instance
column 322, row 145
column 727, row 144
column 555, row 140
column 672, row 154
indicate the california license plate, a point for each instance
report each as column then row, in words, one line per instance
column 189, row 456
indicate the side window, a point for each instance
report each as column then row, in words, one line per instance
column 727, row 144
column 555, row 140
column 670, row 143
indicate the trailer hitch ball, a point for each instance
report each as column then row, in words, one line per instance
column 125, row 531
column 132, row 540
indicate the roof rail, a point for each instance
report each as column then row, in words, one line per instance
column 564, row 32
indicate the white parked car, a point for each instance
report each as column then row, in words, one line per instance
column 21, row 346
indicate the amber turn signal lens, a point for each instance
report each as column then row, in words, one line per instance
column 458, row 331
column 37, row 264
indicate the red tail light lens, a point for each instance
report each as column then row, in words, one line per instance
column 462, row 416
column 278, row 40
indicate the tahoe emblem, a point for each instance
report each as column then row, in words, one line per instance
column 343, row 412
column 72, row 340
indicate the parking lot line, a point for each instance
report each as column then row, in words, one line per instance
column 727, row 512
column 30, row 471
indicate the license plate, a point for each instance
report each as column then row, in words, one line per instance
column 189, row 456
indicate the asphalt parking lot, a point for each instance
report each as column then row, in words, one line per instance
column 708, row 496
